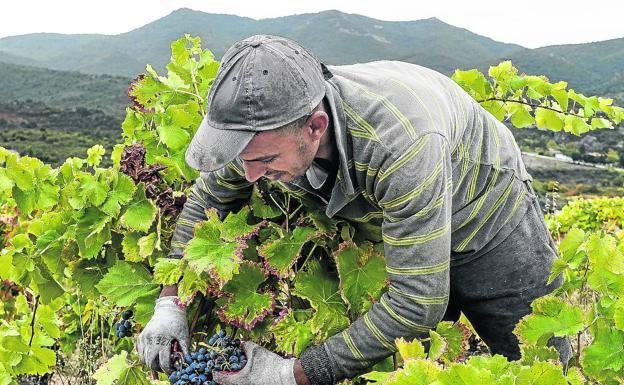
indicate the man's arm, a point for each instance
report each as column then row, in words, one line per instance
column 414, row 191
column 225, row 189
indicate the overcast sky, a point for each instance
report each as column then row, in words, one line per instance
column 531, row 23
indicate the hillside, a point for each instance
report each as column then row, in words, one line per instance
column 336, row 37
column 63, row 89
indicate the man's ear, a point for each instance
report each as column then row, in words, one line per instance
column 319, row 121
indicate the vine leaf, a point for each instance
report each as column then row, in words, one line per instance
column 206, row 251
column 322, row 292
column 410, row 350
column 168, row 271
column 236, row 228
column 293, row 336
column 125, row 283
column 551, row 316
column 140, row 213
column 466, row 375
column 122, row 191
column 92, row 231
column 363, row 277
column 110, row 372
column 437, row 345
column 242, row 305
column 456, row 337
column 136, row 247
column 606, row 274
column 605, row 353
column 540, row 373
column 281, row 254
column 261, row 209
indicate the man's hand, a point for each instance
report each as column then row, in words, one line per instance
column 263, row 368
column 167, row 324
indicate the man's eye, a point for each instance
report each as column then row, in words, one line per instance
column 268, row 160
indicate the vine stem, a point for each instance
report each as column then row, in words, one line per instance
column 32, row 322
column 530, row 105
column 197, row 313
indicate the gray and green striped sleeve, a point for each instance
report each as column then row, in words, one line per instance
column 414, row 190
column 225, row 189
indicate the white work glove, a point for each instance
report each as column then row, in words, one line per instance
column 263, row 368
column 167, row 324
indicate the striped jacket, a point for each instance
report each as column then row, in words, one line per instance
column 421, row 161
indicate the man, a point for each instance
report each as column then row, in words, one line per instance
column 395, row 145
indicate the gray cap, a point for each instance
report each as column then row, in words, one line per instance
column 264, row 82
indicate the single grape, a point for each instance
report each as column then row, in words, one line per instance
column 127, row 314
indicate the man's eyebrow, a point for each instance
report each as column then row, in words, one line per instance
column 259, row 159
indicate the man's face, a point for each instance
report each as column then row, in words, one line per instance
column 280, row 154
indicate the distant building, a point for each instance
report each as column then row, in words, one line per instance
column 563, row 157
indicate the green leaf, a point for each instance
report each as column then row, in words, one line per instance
column 245, row 306
column 281, row 254
column 456, row 337
column 110, row 372
column 548, row 119
column 575, row 125
column 606, row 274
column 92, row 231
column 131, row 123
column 140, row 213
column 533, row 353
column 125, row 283
column 167, row 271
column 261, row 209
column 362, row 272
column 520, row 115
column 207, row 252
column 92, row 189
column 598, row 123
column 496, row 364
column 292, row 337
column 185, row 115
column 134, row 376
column 473, row 82
column 173, row 136
column 496, row 108
column 410, row 350
column 543, row 373
column 137, row 248
column 94, row 155
column 466, row 375
column 551, row 316
column 437, row 345
column 121, row 192
column 46, row 286
column 322, row 292
column 235, row 226
column 605, row 352
column 561, row 95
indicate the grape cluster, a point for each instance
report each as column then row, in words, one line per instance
column 222, row 353
column 124, row 326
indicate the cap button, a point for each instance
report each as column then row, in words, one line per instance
column 256, row 43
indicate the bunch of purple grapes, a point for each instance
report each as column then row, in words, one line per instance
column 124, row 326
column 222, row 353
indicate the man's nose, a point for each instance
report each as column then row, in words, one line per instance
column 253, row 170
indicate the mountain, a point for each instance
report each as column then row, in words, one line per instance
column 335, row 37
column 592, row 67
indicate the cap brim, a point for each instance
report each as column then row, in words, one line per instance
column 212, row 149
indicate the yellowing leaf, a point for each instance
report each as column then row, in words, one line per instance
column 410, row 350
